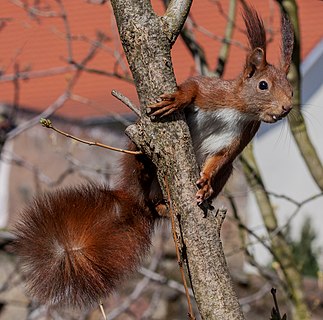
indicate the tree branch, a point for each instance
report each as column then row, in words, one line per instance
column 224, row 51
column 279, row 245
column 196, row 50
column 175, row 17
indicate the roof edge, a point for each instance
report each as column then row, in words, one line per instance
column 312, row 58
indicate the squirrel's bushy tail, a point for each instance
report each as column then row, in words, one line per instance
column 76, row 244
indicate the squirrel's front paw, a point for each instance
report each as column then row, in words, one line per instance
column 205, row 188
column 165, row 105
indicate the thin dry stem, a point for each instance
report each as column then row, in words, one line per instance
column 102, row 311
column 48, row 124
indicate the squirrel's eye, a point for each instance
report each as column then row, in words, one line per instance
column 263, row 85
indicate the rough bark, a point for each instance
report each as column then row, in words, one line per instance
column 147, row 40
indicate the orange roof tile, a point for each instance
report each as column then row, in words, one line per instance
column 39, row 44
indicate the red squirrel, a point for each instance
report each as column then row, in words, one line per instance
column 223, row 116
column 75, row 245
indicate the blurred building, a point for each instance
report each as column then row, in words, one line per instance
column 42, row 51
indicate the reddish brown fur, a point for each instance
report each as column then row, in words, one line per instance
column 218, row 167
column 76, row 244
column 255, row 28
column 287, row 42
column 243, row 94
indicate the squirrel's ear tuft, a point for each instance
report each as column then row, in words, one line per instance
column 256, row 60
column 255, row 29
column 287, row 42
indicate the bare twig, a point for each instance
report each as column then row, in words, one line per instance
column 137, row 290
column 244, row 231
column 125, row 76
column 195, row 48
column 165, row 281
column 256, row 296
column 16, row 84
column 154, row 302
column 96, row 1
column 33, row 11
column 48, row 124
column 102, row 311
column 80, row 66
column 74, row 165
column 296, row 121
column 224, row 51
column 97, row 105
column 101, row 72
column 126, row 101
column 67, row 30
column 58, row 103
column 299, row 205
column 226, row 16
column 213, row 36
column 12, row 158
column 24, row 75
column 279, row 244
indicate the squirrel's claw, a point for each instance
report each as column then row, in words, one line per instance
column 165, row 105
column 160, row 109
column 205, row 189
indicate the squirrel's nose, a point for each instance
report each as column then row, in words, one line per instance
column 287, row 108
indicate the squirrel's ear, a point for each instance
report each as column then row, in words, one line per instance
column 287, row 42
column 256, row 60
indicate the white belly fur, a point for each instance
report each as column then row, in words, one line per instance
column 215, row 130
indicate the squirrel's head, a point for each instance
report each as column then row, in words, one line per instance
column 263, row 86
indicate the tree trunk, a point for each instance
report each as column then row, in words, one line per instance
column 147, row 40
